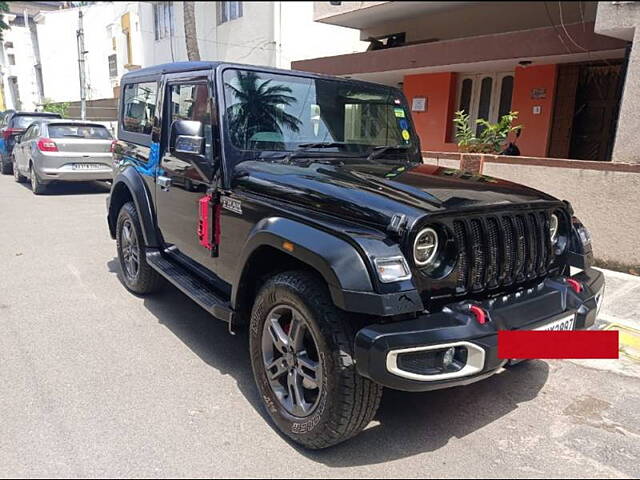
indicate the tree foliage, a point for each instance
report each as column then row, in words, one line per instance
column 60, row 107
column 4, row 8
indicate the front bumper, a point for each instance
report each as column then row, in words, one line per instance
column 377, row 346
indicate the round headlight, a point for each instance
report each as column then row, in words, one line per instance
column 425, row 247
column 554, row 223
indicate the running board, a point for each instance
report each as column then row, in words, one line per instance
column 190, row 285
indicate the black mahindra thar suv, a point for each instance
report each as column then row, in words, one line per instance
column 298, row 205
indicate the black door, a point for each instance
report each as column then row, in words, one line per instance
column 180, row 186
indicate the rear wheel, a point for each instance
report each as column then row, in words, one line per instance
column 17, row 176
column 37, row 187
column 137, row 274
column 302, row 357
column 6, row 166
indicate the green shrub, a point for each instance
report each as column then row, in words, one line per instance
column 491, row 136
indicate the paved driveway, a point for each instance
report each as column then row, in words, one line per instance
column 97, row 382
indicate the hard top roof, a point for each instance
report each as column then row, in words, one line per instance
column 178, row 67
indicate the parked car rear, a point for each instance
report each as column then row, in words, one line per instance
column 14, row 125
column 63, row 150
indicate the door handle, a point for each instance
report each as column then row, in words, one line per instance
column 164, row 183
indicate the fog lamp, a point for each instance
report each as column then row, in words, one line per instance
column 448, row 357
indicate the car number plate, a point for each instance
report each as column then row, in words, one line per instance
column 565, row 323
column 86, row 166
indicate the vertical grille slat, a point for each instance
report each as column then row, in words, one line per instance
column 521, row 249
column 500, row 250
column 463, row 263
column 509, row 251
column 478, row 255
column 492, row 248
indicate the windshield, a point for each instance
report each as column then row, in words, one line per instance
column 94, row 132
column 266, row 111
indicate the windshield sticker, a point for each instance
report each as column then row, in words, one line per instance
column 399, row 112
column 406, row 135
column 404, row 125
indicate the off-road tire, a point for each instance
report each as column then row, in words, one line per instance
column 348, row 401
column 147, row 280
column 37, row 187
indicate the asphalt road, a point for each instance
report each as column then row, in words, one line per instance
column 97, row 382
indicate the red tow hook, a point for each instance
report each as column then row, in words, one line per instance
column 575, row 285
column 479, row 313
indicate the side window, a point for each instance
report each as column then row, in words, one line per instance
column 27, row 134
column 191, row 102
column 139, row 107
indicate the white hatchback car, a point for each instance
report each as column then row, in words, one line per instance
column 63, row 150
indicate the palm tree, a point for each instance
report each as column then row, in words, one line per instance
column 258, row 108
column 190, row 31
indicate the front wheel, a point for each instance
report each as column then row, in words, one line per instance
column 302, row 356
column 17, row 176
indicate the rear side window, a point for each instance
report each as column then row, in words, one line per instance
column 139, row 107
column 93, row 132
column 23, row 121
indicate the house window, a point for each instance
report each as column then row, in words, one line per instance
column 228, row 11
column 113, row 66
column 12, row 59
column 163, row 20
column 485, row 95
column 8, row 44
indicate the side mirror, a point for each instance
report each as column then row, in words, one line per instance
column 187, row 142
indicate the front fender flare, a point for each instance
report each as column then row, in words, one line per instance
column 341, row 266
column 336, row 260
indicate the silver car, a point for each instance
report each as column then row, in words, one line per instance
column 63, row 150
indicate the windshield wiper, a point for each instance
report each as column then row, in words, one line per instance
column 377, row 151
column 307, row 148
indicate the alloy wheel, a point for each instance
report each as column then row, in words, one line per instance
column 291, row 360
column 130, row 250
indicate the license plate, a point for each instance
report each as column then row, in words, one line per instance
column 565, row 323
column 86, row 166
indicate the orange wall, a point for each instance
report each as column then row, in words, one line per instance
column 433, row 125
column 534, row 140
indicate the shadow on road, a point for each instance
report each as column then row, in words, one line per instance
column 73, row 188
column 407, row 424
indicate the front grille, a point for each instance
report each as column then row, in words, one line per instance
column 501, row 249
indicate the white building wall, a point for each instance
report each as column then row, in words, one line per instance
column 302, row 38
column 59, row 51
column 268, row 33
column 248, row 39
column 23, row 69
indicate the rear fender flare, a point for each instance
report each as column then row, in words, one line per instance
column 130, row 179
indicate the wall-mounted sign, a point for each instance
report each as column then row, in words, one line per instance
column 419, row 104
column 538, row 93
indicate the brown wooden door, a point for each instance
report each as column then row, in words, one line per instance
column 595, row 111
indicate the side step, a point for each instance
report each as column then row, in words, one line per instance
column 191, row 286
